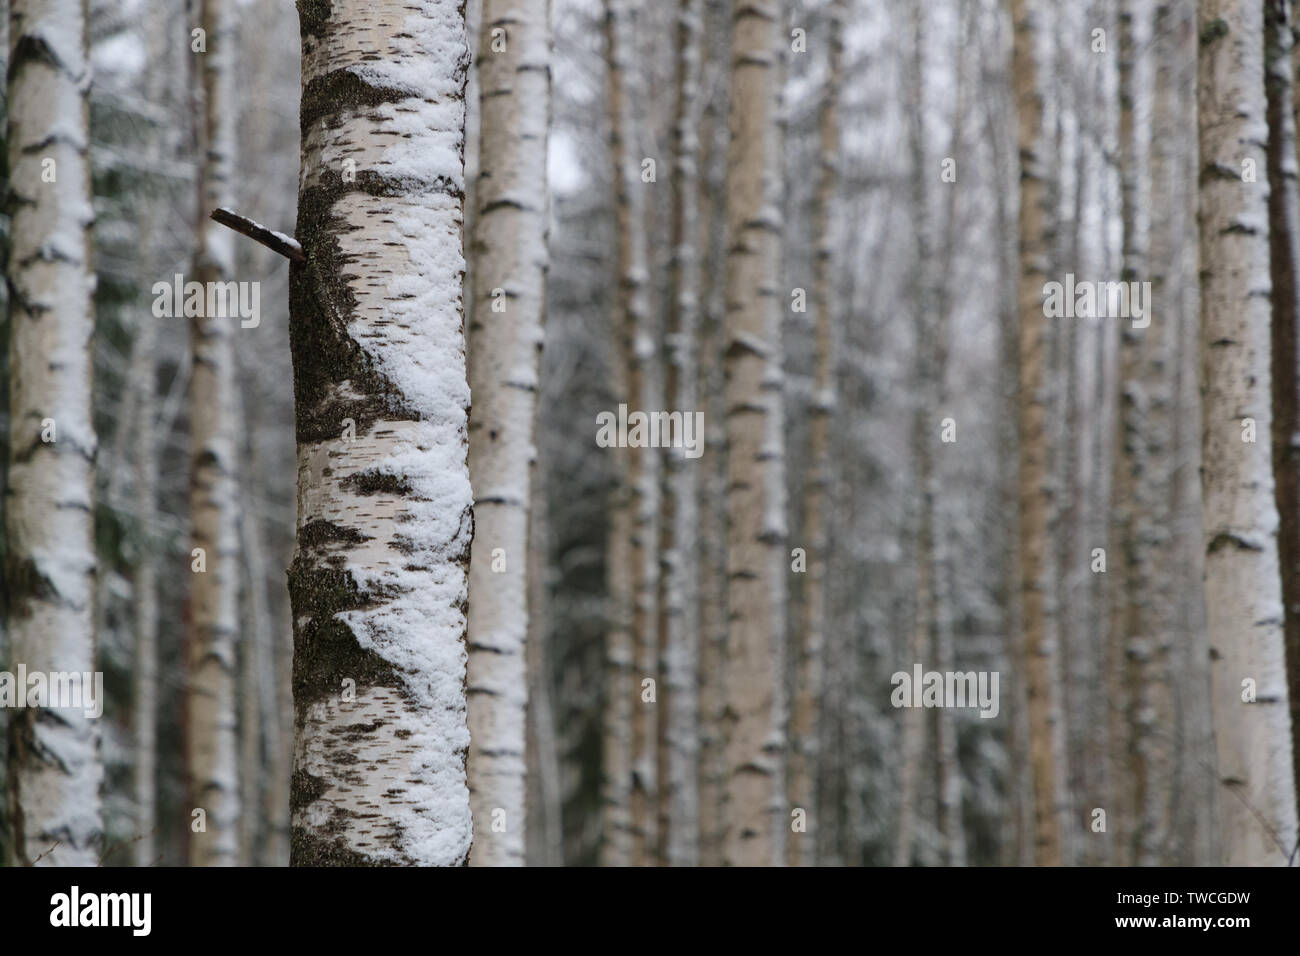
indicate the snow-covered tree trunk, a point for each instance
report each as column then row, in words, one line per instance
column 679, row 608
column 757, row 562
column 505, row 337
column 55, row 769
column 378, row 580
column 811, row 636
column 1243, row 593
column 213, row 749
column 633, row 555
column 1040, row 658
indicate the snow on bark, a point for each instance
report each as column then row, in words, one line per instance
column 55, row 767
column 510, row 255
column 378, row 579
column 1242, row 586
column 214, row 487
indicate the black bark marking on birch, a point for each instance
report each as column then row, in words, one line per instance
column 319, row 533
column 313, row 15
column 376, row 483
column 321, row 308
column 325, row 650
column 339, row 90
column 1213, row 30
column 32, row 49
column 25, row 582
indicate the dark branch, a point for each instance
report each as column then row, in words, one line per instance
column 287, row 246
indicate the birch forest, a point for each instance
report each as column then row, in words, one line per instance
column 689, row 433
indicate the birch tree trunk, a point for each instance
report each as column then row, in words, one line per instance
column 754, row 803
column 505, row 336
column 1132, row 634
column 712, row 589
column 678, row 736
column 55, row 770
column 212, row 745
column 1041, row 658
column 805, row 710
column 1242, row 587
column 144, row 669
column 633, row 558
column 950, row 782
column 928, row 342
column 1156, row 660
column 378, row 579
column 1284, row 258
column 265, row 841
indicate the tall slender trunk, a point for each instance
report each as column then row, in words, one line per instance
column 1155, row 665
column 925, row 370
column 144, row 669
column 378, row 579
column 1132, row 626
column 546, row 839
column 756, row 557
column 678, row 737
column 712, row 698
column 1243, row 593
column 805, row 710
column 55, row 770
column 1018, row 833
column 265, row 841
column 1284, row 258
column 634, row 566
column 951, row 823
column 505, row 337
column 1041, row 657
column 212, row 745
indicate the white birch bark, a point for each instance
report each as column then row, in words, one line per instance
column 378, row 581
column 510, row 262
column 55, row 770
column 212, row 746
column 757, row 562
column 1257, row 811
column 678, row 602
